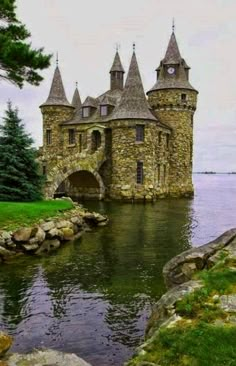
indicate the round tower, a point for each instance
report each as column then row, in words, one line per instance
column 55, row 110
column 174, row 101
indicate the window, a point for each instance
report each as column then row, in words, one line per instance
column 164, row 173
column 80, row 142
column 139, row 133
column 71, row 136
column 140, row 172
column 44, row 170
column 48, row 137
column 183, row 97
column 159, row 137
column 103, row 110
column 167, row 140
column 85, row 112
column 159, row 173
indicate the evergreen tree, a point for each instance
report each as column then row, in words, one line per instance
column 19, row 62
column 19, row 172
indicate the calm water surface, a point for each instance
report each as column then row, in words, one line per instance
column 93, row 297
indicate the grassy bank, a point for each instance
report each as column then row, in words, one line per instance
column 17, row 214
column 205, row 334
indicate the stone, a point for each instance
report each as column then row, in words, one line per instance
column 48, row 246
column 39, row 234
column 228, row 303
column 47, row 225
column 5, row 343
column 30, row 247
column 68, row 233
column 22, row 235
column 174, row 270
column 64, row 224
column 77, row 220
column 46, row 358
column 165, row 307
column 5, row 253
column 54, row 233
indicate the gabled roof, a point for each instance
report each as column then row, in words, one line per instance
column 57, row 95
column 76, row 101
column 90, row 102
column 107, row 100
column 172, row 55
column 117, row 65
column 133, row 103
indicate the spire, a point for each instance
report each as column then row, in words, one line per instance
column 117, row 65
column 172, row 55
column 173, row 72
column 133, row 103
column 76, row 101
column 57, row 94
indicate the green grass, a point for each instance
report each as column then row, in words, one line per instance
column 16, row 214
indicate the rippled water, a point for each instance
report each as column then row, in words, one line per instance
column 93, row 297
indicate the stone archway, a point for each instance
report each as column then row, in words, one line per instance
column 80, row 183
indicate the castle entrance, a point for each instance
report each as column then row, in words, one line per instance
column 81, row 185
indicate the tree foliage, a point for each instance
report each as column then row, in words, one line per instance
column 20, row 179
column 19, row 62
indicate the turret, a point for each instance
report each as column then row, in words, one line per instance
column 173, row 99
column 133, row 126
column 76, row 101
column 117, row 73
column 55, row 110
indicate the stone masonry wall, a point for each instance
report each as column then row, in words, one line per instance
column 126, row 152
column 178, row 114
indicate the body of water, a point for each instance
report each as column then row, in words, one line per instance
column 93, row 297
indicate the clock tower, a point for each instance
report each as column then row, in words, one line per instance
column 174, row 101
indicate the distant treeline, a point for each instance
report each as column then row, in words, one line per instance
column 214, row 173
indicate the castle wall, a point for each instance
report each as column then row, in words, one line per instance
column 126, row 152
column 177, row 114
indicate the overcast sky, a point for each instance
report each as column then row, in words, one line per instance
column 85, row 34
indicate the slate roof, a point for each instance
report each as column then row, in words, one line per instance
column 76, row 101
column 133, row 103
column 117, row 65
column 57, row 95
column 90, row 102
column 172, row 57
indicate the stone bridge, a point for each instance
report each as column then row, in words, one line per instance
column 65, row 167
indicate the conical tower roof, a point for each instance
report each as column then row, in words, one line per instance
column 57, row 95
column 172, row 55
column 76, row 101
column 133, row 103
column 117, row 65
column 178, row 80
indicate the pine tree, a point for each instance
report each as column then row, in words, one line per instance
column 19, row 62
column 19, row 172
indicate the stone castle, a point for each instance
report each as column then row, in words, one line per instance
column 122, row 144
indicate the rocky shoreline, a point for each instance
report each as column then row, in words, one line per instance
column 201, row 296
column 48, row 235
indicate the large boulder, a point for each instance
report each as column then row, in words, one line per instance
column 64, row 223
column 46, row 358
column 181, row 268
column 22, row 235
column 5, row 343
column 38, row 235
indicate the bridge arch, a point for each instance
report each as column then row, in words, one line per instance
column 83, row 176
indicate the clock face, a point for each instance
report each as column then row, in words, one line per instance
column 171, row 70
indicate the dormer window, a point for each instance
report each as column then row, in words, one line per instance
column 85, row 112
column 103, row 110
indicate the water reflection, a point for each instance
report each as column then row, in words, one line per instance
column 93, row 297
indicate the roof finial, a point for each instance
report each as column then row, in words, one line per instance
column 57, row 59
column 173, row 25
column 134, row 45
column 76, row 84
column 117, row 47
